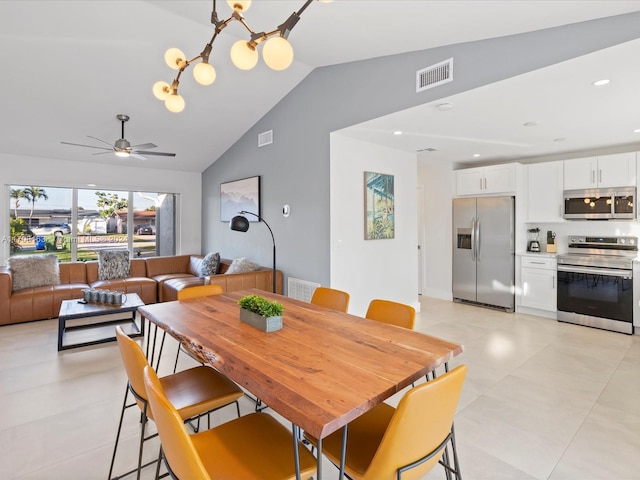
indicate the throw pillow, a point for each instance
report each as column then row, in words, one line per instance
column 242, row 265
column 113, row 264
column 210, row 265
column 34, row 271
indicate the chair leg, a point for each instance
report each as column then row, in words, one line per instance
column 115, row 447
column 175, row 365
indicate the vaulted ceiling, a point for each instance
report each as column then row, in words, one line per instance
column 70, row 67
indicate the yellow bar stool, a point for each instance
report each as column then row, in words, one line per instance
column 253, row 447
column 389, row 443
column 331, row 298
column 194, row 392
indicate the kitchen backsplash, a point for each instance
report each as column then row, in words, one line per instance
column 580, row 227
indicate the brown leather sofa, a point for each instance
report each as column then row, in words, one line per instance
column 151, row 278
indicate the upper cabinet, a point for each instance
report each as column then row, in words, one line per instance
column 486, row 180
column 544, row 187
column 617, row 170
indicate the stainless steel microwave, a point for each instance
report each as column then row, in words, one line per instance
column 600, row 204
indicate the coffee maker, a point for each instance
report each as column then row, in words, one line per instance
column 533, row 244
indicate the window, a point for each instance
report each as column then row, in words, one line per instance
column 76, row 223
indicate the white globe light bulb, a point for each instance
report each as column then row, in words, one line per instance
column 243, row 55
column 161, row 90
column 174, row 103
column 174, row 57
column 277, row 53
column 204, row 73
column 241, row 5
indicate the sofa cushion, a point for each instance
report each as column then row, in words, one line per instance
column 242, row 265
column 34, row 271
column 113, row 264
column 210, row 265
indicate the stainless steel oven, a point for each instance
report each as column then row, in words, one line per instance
column 595, row 282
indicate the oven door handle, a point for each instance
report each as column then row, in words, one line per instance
column 596, row 271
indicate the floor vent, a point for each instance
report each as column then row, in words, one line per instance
column 434, row 75
column 301, row 289
column 265, row 138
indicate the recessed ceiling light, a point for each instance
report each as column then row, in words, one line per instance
column 476, row 154
column 531, row 124
column 91, row 184
column 599, row 83
column 443, row 107
column 637, row 130
column 397, row 132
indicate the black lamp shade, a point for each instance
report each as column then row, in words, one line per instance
column 239, row 223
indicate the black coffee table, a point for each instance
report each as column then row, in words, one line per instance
column 96, row 331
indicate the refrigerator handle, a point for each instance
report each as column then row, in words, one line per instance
column 478, row 239
column 473, row 239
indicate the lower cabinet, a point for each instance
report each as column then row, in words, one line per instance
column 538, row 282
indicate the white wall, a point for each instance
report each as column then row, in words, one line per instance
column 21, row 170
column 437, row 179
column 370, row 269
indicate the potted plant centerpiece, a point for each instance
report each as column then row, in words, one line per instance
column 261, row 313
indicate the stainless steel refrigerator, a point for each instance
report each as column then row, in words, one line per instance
column 483, row 251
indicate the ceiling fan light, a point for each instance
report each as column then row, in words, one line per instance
column 277, row 53
column 174, row 103
column 161, row 90
column 122, row 153
column 174, row 57
column 239, row 5
column 244, row 55
column 204, row 73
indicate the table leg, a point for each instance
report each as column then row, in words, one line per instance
column 343, row 452
column 319, row 461
column 61, row 327
column 296, row 451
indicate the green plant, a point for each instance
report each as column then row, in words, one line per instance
column 261, row 306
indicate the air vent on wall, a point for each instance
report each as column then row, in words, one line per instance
column 265, row 138
column 301, row 289
column 434, row 75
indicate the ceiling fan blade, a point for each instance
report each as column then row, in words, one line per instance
column 96, row 138
column 144, row 146
column 160, row 154
column 103, row 153
column 139, row 157
column 89, row 146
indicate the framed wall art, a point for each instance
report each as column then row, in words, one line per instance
column 238, row 195
column 379, row 203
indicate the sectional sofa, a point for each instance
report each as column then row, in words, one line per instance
column 154, row 279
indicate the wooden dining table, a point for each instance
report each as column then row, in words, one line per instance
column 320, row 371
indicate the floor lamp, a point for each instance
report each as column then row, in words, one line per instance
column 239, row 223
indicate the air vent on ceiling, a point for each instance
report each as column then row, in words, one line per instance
column 434, row 75
column 428, row 149
column 265, row 138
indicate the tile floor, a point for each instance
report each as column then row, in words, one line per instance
column 542, row 400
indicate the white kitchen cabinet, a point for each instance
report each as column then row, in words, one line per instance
column 617, row 170
column 495, row 179
column 538, row 278
column 545, row 186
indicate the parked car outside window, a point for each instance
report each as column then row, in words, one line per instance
column 51, row 229
column 146, row 230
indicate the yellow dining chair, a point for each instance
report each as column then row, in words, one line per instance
column 406, row 442
column 331, row 298
column 194, row 392
column 195, row 292
column 393, row 313
column 255, row 446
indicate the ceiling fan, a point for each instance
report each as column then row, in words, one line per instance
column 123, row 147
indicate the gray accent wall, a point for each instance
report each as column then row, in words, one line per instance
column 295, row 168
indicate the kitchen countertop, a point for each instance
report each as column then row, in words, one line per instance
column 538, row 254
